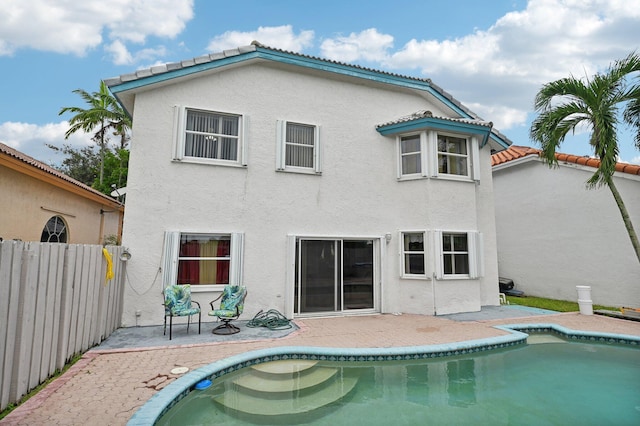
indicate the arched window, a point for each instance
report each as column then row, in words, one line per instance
column 55, row 231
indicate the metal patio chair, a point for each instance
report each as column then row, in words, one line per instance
column 231, row 307
column 178, row 303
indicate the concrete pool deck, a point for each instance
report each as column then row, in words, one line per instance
column 112, row 381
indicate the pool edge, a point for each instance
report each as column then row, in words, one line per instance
column 163, row 400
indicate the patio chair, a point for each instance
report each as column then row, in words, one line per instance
column 231, row 307
column 178, row 303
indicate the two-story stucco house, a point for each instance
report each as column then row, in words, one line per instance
column 325, row 188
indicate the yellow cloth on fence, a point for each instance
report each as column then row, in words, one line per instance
column 107, row 256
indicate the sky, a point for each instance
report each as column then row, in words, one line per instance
column 491, row 55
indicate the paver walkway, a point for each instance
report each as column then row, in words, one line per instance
column 107, row 387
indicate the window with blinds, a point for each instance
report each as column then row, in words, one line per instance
column 209, row 137
column 298, row 147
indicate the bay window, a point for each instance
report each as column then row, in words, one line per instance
column 453, row 157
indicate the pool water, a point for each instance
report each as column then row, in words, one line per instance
column 552, row 382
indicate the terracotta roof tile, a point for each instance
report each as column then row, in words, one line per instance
column 514, row 152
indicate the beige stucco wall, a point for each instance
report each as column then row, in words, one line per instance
column 554, row 234
column 357, row 195
column 28, row 203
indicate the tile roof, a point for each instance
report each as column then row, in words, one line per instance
column 422, row 114
column 30, row 161
column 189, row 66
column 515, row 152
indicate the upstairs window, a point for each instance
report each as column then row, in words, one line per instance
column 298, row 147
column 209, row 137
column 438, row 155
column 411, row 155
column 453, row 155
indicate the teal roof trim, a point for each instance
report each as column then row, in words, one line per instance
column 182, row 72
column 433, row 123
column 292, row 59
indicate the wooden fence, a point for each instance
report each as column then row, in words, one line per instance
column 55, row 302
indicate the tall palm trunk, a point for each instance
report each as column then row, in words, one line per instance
column 625, row 217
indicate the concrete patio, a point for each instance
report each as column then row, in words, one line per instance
column 113, row 380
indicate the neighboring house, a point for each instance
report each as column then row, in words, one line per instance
column 41, row 204
column 323, row 187
column 555, row 234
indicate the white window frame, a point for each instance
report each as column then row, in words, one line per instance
column 171, row 259
column 180, row 123
column 429, row 155
column 474, row 252
column 422, row 153
column 403, row 253
column 281, row 149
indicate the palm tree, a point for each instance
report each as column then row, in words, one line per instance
column 569, row 102
column 105, row 113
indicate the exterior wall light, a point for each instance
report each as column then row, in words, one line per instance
column 125, row 255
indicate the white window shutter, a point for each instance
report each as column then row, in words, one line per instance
column 432, row 153
column 424, row 154
column 401, row 253
column 317, row 151
column 170, row 258
column 476, row 257
column 475, row 159
column 281, row 132
column 237, row 250
column 178, row 132
column 399, row 158
column 244, row 143
column 437, row 254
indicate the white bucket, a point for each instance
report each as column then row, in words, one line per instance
column 584, row 299
column 586, row 307
column 584, row 292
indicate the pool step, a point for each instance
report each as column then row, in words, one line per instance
column 282, row 388
column 257, row 383
column 284, row 367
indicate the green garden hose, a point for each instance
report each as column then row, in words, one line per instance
column 272, row 319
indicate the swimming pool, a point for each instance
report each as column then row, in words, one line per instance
column 494, row 381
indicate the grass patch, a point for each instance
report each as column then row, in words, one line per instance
column 552, row 304
column 38, row 388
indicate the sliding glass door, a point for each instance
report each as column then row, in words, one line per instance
column 334, row 275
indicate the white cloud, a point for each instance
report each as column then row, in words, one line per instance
column 507, row 63
column 69, row 26
column 503, row 117
column 281, row 37
column 33, row 139
column 368, row 45
column 120, row 54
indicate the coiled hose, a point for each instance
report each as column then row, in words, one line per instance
column 272, row 319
